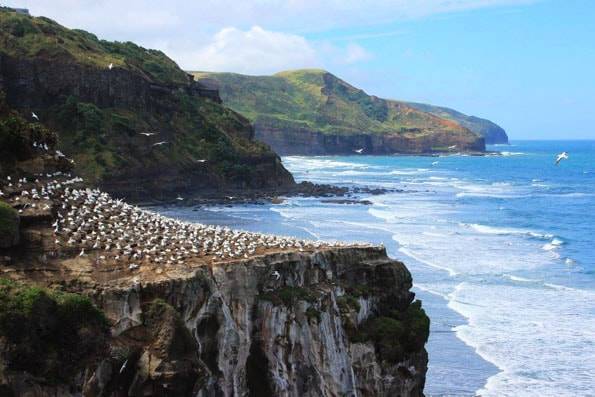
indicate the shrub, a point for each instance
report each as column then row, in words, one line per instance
column 49, row 333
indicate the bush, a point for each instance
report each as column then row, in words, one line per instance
column 49, row 333
column 395, row 333
column 288, row 296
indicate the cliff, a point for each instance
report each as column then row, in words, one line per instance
column 490, row 131
column 135, row 124
column 100, row 298
column 315, row 112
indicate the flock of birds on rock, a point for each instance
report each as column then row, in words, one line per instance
column 90, row 223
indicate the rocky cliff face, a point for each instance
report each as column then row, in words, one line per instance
column 296, row 141
column 231, row 329
column 135, row 124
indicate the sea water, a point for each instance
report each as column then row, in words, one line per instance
column 501, row 249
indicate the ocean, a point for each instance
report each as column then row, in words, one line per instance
column 501, row 249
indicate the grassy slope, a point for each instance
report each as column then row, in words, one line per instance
column 486, row 128
column 106, row 142
column 317, row 100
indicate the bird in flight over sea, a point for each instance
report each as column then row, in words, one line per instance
column 34, row 116
column 452, row 147
column 180, row 198
column 561, row 156
column 148, row 133
column 435, row 163
column 110, row 66
column 201, row 160
column 159, row 143
column 359, row 151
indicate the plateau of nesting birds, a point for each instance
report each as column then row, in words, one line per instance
column 90, row 223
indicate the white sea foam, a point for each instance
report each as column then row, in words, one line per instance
column 412, row 255
column 508, row 154
column 484, row 229
column 540, row 351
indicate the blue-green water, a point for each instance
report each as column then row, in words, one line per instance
column 500, row 248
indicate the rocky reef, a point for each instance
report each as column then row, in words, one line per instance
column 313, row 112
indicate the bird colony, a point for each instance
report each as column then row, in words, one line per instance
column 90, row 223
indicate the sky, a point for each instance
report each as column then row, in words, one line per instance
column 528, row 65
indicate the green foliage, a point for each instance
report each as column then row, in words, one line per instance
column 9, row 220
column 347, row 303
column 288, row 296
column 313, row 313
column 396, row 333
column 49, row 333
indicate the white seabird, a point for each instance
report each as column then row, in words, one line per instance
column 34, row 116
column 359, row 151
column 110, row 66
column 159, row 143
column 561, row 156
column 276, row 274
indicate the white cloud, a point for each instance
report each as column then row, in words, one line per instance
column 254, row 51
column 356, row 53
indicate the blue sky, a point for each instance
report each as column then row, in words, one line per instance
column 527, row 65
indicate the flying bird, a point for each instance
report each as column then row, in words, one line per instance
column 110, row 66
column 561, row 156
column 200, row 161
column 359, row 151
column 276, row 274
column 180, row 198
column 452, row 147
column 435, row 163
column 159, row 143
column 34, row 116
column 148, row 133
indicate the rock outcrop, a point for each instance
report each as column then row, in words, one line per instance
column 312, row 112
column 230, row 329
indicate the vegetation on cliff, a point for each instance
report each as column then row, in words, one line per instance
column 491, row 131
column 396, row 332
column 48, row 333
column 316, row 100
column 101, row 97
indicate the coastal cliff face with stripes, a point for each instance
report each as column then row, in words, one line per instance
column 134, row 123
column 101, row 298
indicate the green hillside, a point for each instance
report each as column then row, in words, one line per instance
column 101, row 96
column 317, row 100
column 492, row 132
